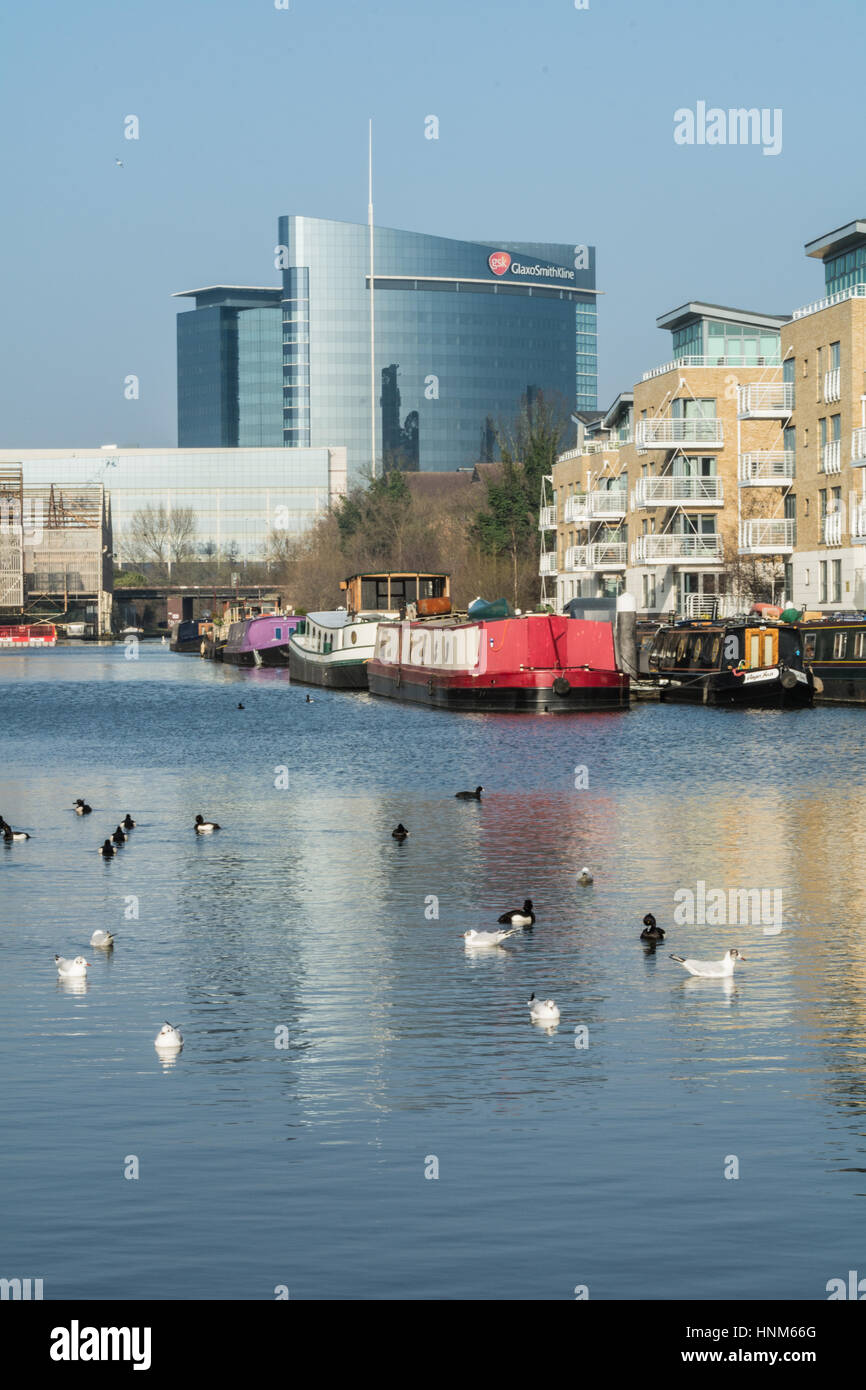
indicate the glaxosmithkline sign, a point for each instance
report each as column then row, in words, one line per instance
column 500, row 262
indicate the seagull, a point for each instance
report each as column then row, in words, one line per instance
column 102, row 938
column 650, row 931
column 119, row 163
column 542, row 1010
column 584, row 877
column 487, row 938
column 519, row 916
column 72, row 969
column 712, row 969
column 168, row 1037
column 205, row 827
column 400, row 833
column 469, row 796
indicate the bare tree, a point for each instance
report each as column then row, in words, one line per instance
column 161, row 536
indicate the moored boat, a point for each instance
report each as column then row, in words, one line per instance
column 260, row 641
column 731, row 661
column 186, row 636
column 333, row 648
column 28, row 635
column 834, row 646
column 535, row 662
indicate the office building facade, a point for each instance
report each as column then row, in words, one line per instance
column 229, row 368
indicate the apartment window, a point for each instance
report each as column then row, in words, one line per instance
column 822, row 570
column 822, row 498
column 822, row 425
column 788, row 370
column 790, row 506
column 837, row 581
column 836, row 426
column 649, row 591
column 834, row 356
column 836, row 495
column 819, row 373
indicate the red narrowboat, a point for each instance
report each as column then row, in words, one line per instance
column 19, row 635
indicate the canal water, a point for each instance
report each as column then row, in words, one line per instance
column 361, row 1108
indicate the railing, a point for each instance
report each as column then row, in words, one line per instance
column 858, row 446
column 673, row 490
column 766, row 468
column 765, row 399
column 613, row 502
column 857, row 519
column 853, row 292
column 767, row 536
column 664, row 432
column 608, row 555
column 547, row 563
column 576, row 509
column 771, row 360
column 594, row 446
column 831, row 456
column 672, row 545
column 831, row 528
column 576, row 557
column 832, row 387
column 547, row 519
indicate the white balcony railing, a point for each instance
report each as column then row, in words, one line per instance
column 576, row 510
column 593, row 446
column 547, row 519
column 857, row 519
column 831, row 456
column 771, row 360
column 854, row 292
column 576, row 558
column 832, row 387
column 765, row 400
column 612, row 503
column 608, row 555
column 547, row 563
column 670, row 490
column 674, row 546
column 858, row 446
column 766, row 468
column 831, row 528
column 767, row 536
column 664, row 432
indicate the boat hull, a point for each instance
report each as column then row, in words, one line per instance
column 530, row 692
column 266, row 656
column 327, row 671
column 725, row 689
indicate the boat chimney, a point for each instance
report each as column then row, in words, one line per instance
column 625, row 634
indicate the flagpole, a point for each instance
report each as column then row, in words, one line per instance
column 372, row 305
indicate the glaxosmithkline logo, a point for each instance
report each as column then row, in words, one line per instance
column 500, row 261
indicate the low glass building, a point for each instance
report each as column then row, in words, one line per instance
column 217, row 502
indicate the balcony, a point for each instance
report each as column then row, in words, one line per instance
column 593, row 446
column 547, row 519
column 610, row 504
column 832, row 386
column 857, row 519
column 547, row 563
column 766, row 468
column 664, row 432
column 673, row 491
column 679, row 363
column 858, row 447
column 767, row 536
column 677, row 548
column 831, row 456
column 765, row 400
column 831, row 528
column 607, row 555
column 576, row 510
column 576, row 558
column 854, row 292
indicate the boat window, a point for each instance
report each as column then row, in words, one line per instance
column 697, row 645
column 769, row 649
column 809, row 645
column 682, row 657
column 714, row 651
column 840, row 645
column 859, row 646
column 754, row 649
column 278, row 634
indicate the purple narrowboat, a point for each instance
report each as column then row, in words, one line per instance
column 262, row 641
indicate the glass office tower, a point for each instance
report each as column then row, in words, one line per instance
column 229, row 369
column 463, row 331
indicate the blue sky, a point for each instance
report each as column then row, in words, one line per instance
column 555, row 124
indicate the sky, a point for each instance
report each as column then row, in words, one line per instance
column 555, row 124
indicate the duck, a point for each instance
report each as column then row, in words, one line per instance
column 128, row 823
column 102, row 938
column 584, row 877
column 542, row 1010
column 488, row 938
column 72, row 969
column 470, row 796
column 309, row 700
column 168, row 1037
column 81, row 808
column 9, row 834
column 650, row 931
column 241, row 706
column 519, row 916
column 107, row 850
column 400, row 833
column 711, row 969
column 205, row 827
column 118, row 837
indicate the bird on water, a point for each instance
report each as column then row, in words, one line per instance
column 651, row 932
column 519, row 916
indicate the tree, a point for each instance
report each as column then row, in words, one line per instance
column 161, row 537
